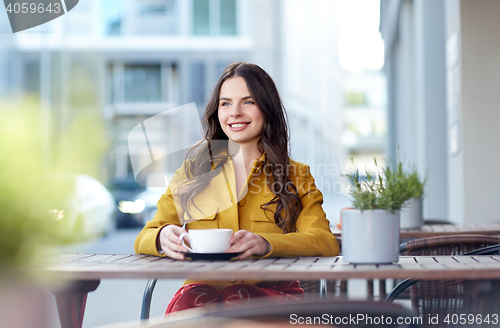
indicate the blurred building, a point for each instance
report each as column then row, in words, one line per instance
column 311, row 87
column 133, row 59
column 365, row 118
column 7, row 55
column 363, row 87
column 442, row 67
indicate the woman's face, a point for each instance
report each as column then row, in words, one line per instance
column 239, row 116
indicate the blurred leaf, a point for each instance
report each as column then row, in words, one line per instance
column 36, row 174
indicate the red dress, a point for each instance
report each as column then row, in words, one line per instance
column 200, row 295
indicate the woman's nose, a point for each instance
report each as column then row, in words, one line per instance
column 236, row 110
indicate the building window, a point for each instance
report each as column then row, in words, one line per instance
column 112, row 14
column 140, row 17
column 227, row 17
column 153, row 7
column 214, row 17
column 32, row 77
column 197, row 77
column 141, row 83
column 201, row 17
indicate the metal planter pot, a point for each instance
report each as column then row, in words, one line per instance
column 370, row 237
column 411, row 214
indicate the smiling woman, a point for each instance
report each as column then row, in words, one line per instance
column 241, row 177
column 239, row 116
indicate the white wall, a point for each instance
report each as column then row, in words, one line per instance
column 476, row 115
column 413, row 33
column 405, row 87
column 265, row 29
column 430, row 103
column 454, row 103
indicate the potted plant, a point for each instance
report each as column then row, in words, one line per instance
column 34, row 208
column 411, row 213
column 370, row 231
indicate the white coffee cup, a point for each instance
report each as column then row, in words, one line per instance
column 208, row 240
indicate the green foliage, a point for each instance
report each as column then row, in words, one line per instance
column 36, row 189
column 385, row 189
column 415, row 184
column 363, row 191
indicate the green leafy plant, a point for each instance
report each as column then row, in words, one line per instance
column 363, row 191
column 34, row 203
column 386, row 189
column 416, row 184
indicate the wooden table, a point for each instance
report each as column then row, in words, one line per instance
column 433, row 230
column 88, row 269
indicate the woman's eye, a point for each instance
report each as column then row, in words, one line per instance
column 248, row 102
column 225, row 103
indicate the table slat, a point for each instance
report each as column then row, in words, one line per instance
column 99, row 266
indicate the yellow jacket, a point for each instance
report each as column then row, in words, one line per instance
column 218, row 207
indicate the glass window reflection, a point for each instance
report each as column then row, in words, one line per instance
column 214, row 17
column 142, row 83
column 227, row 17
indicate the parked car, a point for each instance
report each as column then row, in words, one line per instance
column 157, row 185
column 131, row 207
column 86, row 211
column 95, row 206
column 151, row 196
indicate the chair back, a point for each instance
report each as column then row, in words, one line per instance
column 442, row 297
column 447, row 245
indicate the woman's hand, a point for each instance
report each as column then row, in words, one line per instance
column 249, row 243
column 169, row 242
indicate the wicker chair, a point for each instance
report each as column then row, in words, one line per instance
column 382, row 282
column 441, row 297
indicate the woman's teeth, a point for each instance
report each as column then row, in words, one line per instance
column 237, row 125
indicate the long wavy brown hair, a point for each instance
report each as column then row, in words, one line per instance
column 211, row 152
